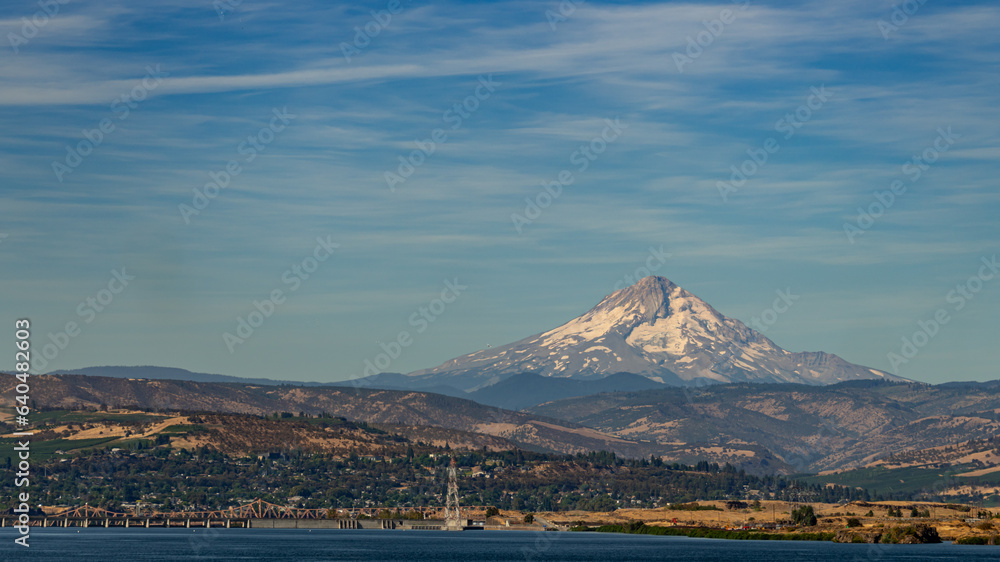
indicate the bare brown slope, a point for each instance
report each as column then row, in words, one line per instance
column 813, row 428
column 400, row 408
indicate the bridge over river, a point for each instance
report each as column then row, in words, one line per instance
column 255, row 514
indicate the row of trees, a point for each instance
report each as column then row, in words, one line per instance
column 511, row 480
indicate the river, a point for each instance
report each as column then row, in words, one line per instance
column 133, row 545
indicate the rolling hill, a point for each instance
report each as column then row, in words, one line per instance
column 375, row 406
column 812, row 428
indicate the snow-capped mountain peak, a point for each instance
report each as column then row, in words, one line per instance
column 656, row 329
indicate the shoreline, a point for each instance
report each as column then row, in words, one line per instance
column 896, row 535
column 706, row 533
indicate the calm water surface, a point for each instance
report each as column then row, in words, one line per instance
column 121, row 545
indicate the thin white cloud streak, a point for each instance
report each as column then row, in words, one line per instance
column 601, row 41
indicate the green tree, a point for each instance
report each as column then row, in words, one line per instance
column 804, row 516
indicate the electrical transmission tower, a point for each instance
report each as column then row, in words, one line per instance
column 452, row 512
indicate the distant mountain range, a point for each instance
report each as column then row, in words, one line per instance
column 529, row 389
column 385, row 381
column 169, row 374
column 656, row 329
column 653, row 329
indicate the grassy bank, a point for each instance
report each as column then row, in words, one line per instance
column 640, row 528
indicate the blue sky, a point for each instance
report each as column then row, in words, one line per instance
column 196, row 84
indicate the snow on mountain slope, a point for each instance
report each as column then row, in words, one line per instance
column 656, row 329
